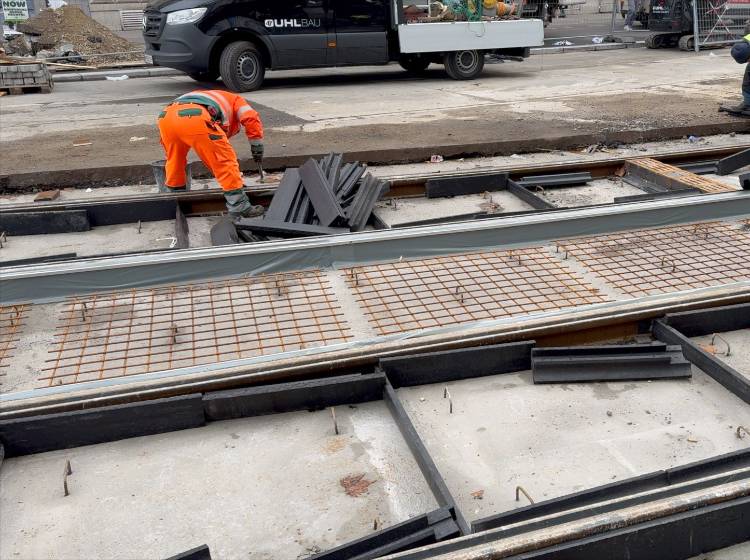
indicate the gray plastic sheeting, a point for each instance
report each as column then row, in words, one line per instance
column 50, row 282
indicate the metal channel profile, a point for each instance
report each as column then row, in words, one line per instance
column 53, row 281
column 423, row 458
column 676, row 328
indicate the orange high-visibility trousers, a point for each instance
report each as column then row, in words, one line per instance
column 188, row 125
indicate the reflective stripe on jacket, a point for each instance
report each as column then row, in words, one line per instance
column 229, row 110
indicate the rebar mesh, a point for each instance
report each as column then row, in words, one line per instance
column 668, row 259
column 142, row 331
column 436, row 292
column 12, row 319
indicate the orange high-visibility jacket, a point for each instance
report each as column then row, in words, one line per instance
column 229, row 110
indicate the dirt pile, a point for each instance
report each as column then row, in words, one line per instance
column 69, row 29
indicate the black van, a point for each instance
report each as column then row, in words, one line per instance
column 239, row 39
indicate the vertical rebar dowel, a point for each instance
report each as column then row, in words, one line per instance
column 713, row 340
column 66, row 472
column 335, row 422
column 521, row 490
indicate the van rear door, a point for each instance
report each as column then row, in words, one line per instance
column 299, row 31
column 361, row 33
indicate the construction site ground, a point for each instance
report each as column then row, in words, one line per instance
column 153, row 496
column 56, row 345
column 287, row 486
column 156, row 496
column 554, row 101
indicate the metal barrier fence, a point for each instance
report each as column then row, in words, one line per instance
column 719, row 22
column 569, row 22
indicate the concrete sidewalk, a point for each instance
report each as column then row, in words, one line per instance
column 153, row 72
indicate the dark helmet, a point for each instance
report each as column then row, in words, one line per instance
column 741, row 52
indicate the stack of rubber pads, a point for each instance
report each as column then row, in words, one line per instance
column 322, row 197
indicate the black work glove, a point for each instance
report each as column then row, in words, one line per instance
column 256, row 148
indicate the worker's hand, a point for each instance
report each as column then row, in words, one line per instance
column 256, row 148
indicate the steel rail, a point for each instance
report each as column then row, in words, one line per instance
column 55, row 281
column 402, row 185
column 575, row 533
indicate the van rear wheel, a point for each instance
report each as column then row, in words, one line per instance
column 464, row 65
column 241, row 67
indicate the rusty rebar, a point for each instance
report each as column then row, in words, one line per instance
column 521, row 490
column 724, row 340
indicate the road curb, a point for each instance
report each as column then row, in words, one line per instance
column 114, row 73
column 583, row 48
column 156, row 71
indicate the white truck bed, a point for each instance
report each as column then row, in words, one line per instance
column 470, row 35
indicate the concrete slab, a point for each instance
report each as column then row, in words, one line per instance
column 737, row 552
column 739, row 348
column 602, row 191
column 97, row 241
column 259, row 488
column 406, row 210
column 559, row 439
column 107, row 240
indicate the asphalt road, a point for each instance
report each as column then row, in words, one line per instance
column 547, row 101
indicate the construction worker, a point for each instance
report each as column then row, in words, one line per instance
column 741, row 54
column 204, row 120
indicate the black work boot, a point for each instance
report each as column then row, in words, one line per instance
column 166, row 189
column 741, row 109
column 239, row 205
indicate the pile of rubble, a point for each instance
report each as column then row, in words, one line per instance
column 68, row 32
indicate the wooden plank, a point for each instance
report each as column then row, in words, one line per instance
column 673, row 178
